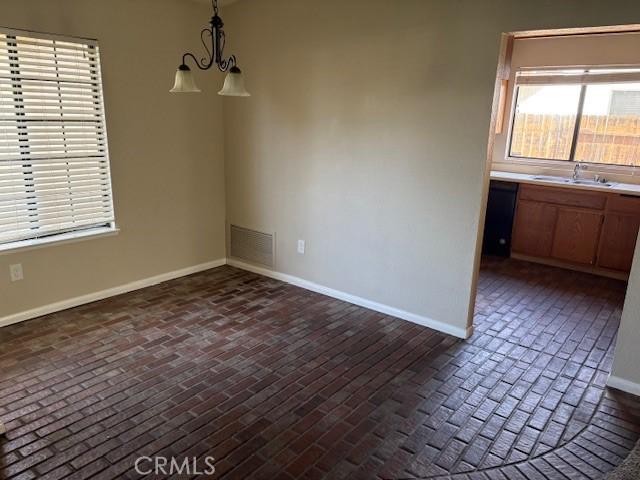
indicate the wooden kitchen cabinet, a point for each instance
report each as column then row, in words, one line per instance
column 533, row 228
column 618, row 241
column 564, row 197
column 577, row 235
column 586, row 230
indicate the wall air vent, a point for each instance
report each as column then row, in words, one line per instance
column 251, row 245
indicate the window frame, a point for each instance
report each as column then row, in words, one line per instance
column 571, row 162
column 72, row 236
column 79, row 233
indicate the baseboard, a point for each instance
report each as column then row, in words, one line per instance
column 624, row 385
column 363, row 302
column 603, row 272
column 110, row 292
column 300, row 282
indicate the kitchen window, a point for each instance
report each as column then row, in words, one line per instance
column 54, row 164
column 577, row 115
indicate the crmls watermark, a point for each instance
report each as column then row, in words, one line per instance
column 173, row 466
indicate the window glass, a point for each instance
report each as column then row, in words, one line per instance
column 610, row 125
column 544, row 121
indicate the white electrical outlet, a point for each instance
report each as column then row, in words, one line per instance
column 16, row 272
column 301, row 246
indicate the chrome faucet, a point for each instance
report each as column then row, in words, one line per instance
column 576, row 170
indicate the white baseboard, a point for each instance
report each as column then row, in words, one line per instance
column 300, row 282
column 110, row 292
column 347, row 297
column 624, row 385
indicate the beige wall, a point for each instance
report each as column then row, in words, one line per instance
column 166, row 150
column 366, row 136
column 626, row 365
column 611, row 49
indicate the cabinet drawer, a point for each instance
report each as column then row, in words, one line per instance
column 624, row 204
column 562, row 196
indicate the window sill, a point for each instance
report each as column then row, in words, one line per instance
column 70, row 237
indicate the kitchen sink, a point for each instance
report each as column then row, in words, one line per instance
column 571, row 181
column 592, row 182
column 548, row 178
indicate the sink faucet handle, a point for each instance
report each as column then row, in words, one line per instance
column 600, row 179
column 576, row 169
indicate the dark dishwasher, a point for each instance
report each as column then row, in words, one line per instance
column 501, row 206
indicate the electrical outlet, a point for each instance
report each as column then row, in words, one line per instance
column 301, row 247
column 16, row 272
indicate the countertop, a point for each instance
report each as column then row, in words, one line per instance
column 623, row 188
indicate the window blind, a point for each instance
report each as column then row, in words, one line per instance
column 578, row 76
column 54, row 161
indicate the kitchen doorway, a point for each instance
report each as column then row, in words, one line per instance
column 561, row 197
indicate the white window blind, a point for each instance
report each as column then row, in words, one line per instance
column 54, row 162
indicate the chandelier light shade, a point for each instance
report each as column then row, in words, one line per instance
column 234, row 84
column 213, row 40
column 185, row 83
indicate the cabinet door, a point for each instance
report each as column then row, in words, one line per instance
column 577, row 235
column 618, row 241
column 533, row 228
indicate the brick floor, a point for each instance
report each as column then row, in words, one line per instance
column 276, row 382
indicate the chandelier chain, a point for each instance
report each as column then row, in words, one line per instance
column 213, row 39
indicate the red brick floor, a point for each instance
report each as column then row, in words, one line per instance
column 276, row 382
